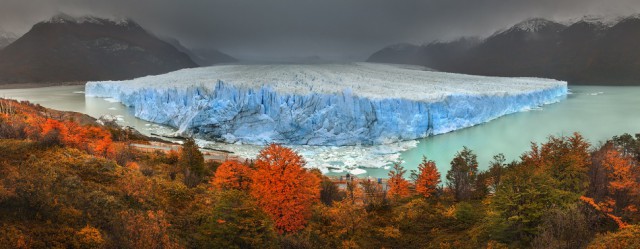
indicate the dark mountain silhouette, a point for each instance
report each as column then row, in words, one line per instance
column 66, row 48
column 585, row 52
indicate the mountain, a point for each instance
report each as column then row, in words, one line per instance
column 203, row 56
column 6, row 38
column 588, row 51
column 87, row 48
column 522, row 50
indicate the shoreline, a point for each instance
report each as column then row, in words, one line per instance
column 10, row 86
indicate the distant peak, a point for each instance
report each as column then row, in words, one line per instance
column 7, row 35
column 533, row 24
column 634, row 17
column 597, row 20
column 530, row 25
column 65, row 18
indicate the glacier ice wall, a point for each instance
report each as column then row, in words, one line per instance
column 224, row 111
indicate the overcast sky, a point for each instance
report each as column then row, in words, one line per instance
column 332, row 29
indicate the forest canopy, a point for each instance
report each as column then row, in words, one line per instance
column 67, row 181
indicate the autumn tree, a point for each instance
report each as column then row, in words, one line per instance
column 232, row 175
column 495, row 172
column 566, row 159
column 329, row 191
column 353, row 191
column 563, row 228
column 340, row 225
column 51, row 133
column 398, row 186
column 428, row 178
column 521, row 201
column 148, row 230
column 623, row 185
column 191, row 162
column 374, row 196
column 283, row 188
column 462, row 175
column 614, row 182
column 234, row 221
column 628, row 237
column 90, row 237
column 529, row 190
column 628, row 145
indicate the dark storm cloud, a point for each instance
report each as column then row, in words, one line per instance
column 341, row 29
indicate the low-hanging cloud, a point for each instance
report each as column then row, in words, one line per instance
column 333, row 29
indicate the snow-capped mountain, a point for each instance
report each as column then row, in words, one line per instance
column 534, row 25
column 590, row 50
column 66, row 48
column 65, row 19
column 6, row 38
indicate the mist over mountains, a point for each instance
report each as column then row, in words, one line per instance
column 588, row 51
column 584, row 51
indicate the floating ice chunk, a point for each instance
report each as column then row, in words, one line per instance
column 357, row 171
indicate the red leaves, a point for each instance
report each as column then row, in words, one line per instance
column 232, row 175
column 428, row 178
column 619, row 171
column 398, row 186
column 92, row 139
column 620, row 189
column 283, row 188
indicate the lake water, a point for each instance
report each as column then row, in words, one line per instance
column 597, row 112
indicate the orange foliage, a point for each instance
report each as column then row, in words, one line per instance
column 90, row 237
column 92, row 139
column 566, row 159
column 133, row 166
column 621, row 187
column 398, row 186
column 628, row 237
column 148, row 230
column 603, row 208
column 283, row 188
column 232, row 175
column 35, row 122
column 135, row 185
column 619, row 171
column 428, row 178
column 52, row 125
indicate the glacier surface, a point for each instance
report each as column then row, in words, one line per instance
column 326, row 104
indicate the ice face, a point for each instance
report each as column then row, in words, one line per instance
column 332, row 104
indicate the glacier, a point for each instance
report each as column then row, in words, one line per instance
column 323, row 104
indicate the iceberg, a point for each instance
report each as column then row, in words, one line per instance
column 323, row 104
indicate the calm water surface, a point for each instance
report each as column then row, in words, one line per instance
column 597, row 112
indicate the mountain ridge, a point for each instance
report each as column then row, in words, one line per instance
column 66, row 48
column 587, row 51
